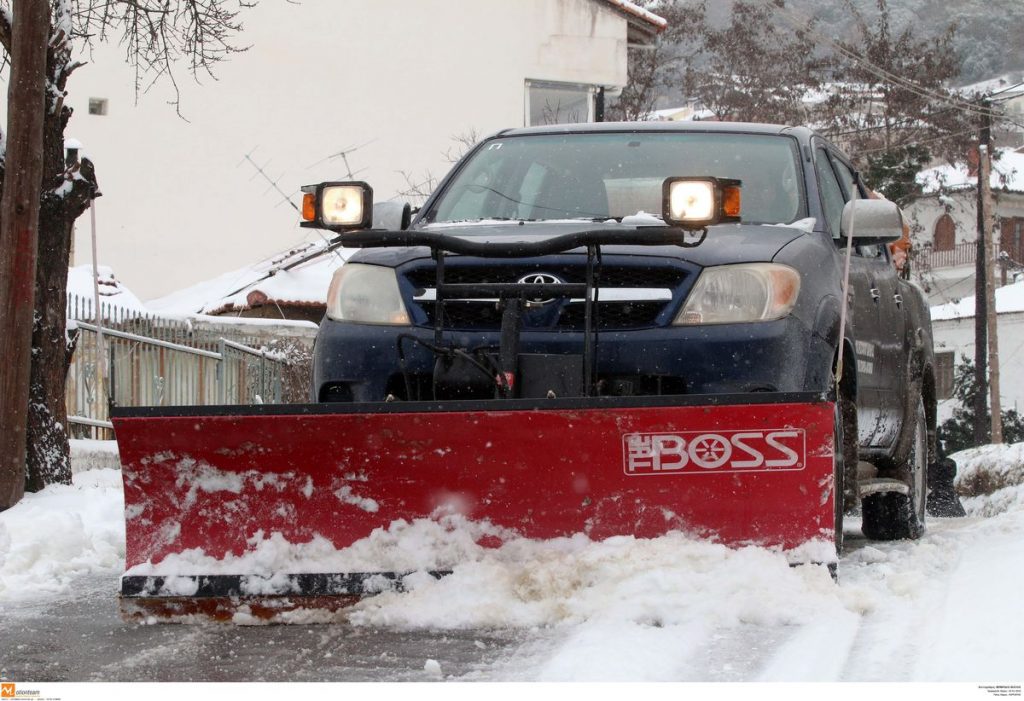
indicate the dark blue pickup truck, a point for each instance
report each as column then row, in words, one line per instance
column 752, row 301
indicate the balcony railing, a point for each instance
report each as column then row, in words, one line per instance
column 961, row 254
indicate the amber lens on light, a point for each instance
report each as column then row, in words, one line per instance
column 309, row 207
column 731, row 201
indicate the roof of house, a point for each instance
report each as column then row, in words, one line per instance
column 631, row 8
column 1009, row 299
column 297, row 277
column 1007, row 174
column 1004, row 85
column 112, row 291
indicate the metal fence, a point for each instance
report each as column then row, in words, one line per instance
column 139, row 359
column 960, row 254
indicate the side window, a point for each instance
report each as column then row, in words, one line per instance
column 847, row 179
column 832, row 199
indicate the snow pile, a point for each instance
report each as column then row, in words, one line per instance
column 623, row 581
column 87, row 454
column 54, row 536
column 991, row 478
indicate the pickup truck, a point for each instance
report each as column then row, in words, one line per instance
column 754, row 303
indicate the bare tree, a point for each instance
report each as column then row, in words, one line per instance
column 754, row 69
column 891, row 103
column 157, row 36
column 655, row 69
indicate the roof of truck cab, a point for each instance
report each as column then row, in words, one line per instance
column 688, row 126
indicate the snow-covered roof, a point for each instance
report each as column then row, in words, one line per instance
column 1002, row 83
column 633, row 9
column 112, row 291
column 1007, row 174
column 679, row 114
column 297, row 277
column 1009, row 298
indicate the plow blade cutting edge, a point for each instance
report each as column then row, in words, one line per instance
column 254, row 509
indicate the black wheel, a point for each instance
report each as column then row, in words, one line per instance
column 895, row 516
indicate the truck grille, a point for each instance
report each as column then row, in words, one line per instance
column 559, row 315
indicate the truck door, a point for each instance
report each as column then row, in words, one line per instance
column 884, row 291
column 862, row 310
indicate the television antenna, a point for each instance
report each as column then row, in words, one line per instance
column 343, row 154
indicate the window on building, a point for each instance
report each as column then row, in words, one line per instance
column 944, row 374
column 97, row 105
column 945, row 234
column 558, row 103
column 1012, row 238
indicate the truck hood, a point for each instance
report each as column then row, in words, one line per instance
column 730, row 243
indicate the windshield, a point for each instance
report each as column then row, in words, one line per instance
column 614, row 175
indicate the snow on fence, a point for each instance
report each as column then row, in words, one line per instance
column 147, row 360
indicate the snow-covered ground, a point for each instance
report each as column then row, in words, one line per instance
column 945, row 608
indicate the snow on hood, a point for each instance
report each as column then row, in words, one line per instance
column 1007, row 172
column 1009, row 299
column 267, row 280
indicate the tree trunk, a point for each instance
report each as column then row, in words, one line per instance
column 20, row 214
column 49, row 459
column 68, row 188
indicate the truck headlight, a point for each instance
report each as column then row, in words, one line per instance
column 367, row 294
column 728, row 294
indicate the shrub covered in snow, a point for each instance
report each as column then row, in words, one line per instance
column 990, row 478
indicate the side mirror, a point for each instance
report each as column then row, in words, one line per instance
column 873, row 221
column 392, row 216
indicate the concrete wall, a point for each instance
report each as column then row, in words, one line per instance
column 397, row 79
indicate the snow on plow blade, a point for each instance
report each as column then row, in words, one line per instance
column 203, row 485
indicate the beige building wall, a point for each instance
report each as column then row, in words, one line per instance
column 396, row 81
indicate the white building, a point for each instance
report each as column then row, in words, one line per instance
column 944, row 226
column 378, row 90
column 953, row 326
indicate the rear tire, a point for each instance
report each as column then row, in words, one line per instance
column 895, row 516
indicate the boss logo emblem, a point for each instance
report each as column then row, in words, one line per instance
column 706, row 451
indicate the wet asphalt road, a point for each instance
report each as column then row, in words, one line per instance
column 83, row 638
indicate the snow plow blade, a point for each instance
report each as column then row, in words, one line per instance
column 204, row 486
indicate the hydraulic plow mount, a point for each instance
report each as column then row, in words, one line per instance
column 205, row 486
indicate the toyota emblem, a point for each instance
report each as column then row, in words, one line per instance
column 540, row 279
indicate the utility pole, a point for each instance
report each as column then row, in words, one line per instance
column 988, row 233
column 19, row 229
column 981, row 425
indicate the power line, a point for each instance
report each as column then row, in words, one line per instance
column 918, row 141
column 805, row 23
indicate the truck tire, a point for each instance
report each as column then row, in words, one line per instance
column 895, row 516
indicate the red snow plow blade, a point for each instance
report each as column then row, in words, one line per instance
column 204, row 485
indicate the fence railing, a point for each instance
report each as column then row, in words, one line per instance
column 140, row 359
column 960, row 254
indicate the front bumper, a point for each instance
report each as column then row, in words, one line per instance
column 360, row 362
